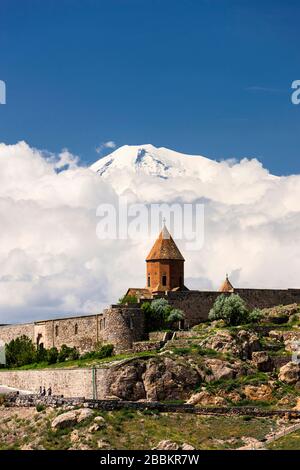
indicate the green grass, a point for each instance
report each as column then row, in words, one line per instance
column 289, row 442
column 83, row 362
column 131, row 430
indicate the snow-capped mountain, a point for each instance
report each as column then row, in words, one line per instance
column 149, row 160
column 158, row 173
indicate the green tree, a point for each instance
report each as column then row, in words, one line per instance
column 160, row 315
column 66, row 353
column 20, row 351
column 52, row 355
column 231, row 309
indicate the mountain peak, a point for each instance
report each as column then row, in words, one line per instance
column 150, row 160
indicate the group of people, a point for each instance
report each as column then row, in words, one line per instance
column 43, row 392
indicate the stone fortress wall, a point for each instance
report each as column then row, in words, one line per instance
column 124, row 326
column 118, row 325
column 197, row 304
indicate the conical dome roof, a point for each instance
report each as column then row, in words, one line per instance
column 226, row 286
column 164, row 248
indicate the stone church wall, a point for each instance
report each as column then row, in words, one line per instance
column 197, row 304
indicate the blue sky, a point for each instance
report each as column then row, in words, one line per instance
column 211, row 77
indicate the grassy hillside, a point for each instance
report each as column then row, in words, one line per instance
column 26, row 428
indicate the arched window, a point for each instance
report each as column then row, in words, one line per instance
column 76, row 329
column 149, row 281
column 56, row 330
column 164, row 280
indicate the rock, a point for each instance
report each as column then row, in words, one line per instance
column 217, row 369
column 159, row 378
column 297, row 407
column 289, row 373
column 168, row 379
column 70, row 418
column 251, row 443
column 103, row 444
column 242, row 344
column 284, row 401
column 258, row 393
column 186, row 446
column 64, row 420
column 74, row 436
column 166, row 445
column 94, row 428
column 100, row 421
column 204, row 398
column 126, row 381
column 249, row 343
column 262, row 361
column 233, row 396
column 280, row 314
column 84, row 414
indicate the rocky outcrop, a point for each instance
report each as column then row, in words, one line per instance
column 127, row 383
column 280, row 314
column 243, row 344
column 167, row 378
column 262, row 361
column 290, row 373
column 154, row 380
column 258, row 393
column 170, row 445
column 217, row 369
column 70, row 418
column 205, row 398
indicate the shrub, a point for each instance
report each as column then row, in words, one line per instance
column 40, row 408
column 52, row 355
column 67, row 353
column 41, row 355
column 160, row 315
column 20, row 351
column 255, row 316
column 100, row 353
column 232, row 309
column 128, row 299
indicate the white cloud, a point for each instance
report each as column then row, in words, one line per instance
column 110, row 144
column 52, row 263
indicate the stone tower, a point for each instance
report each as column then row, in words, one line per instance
column 165, row 265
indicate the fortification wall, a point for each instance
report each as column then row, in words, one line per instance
column 10, row 332
column 119, row 325
column 197, row 304
column 81, row 332
column 124, row 325
column 81, row 382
